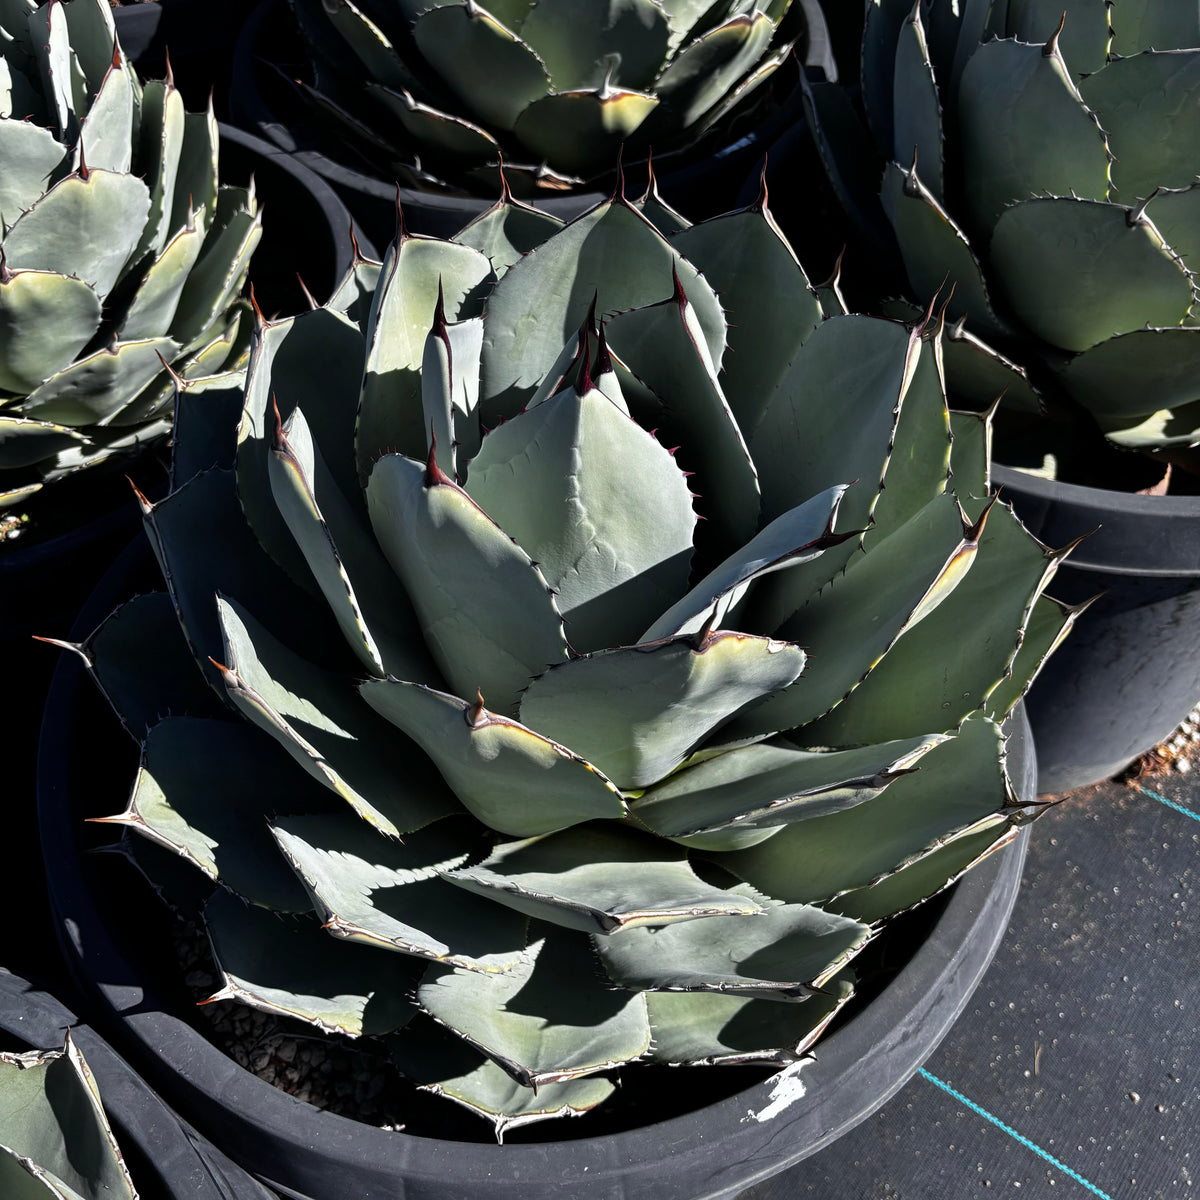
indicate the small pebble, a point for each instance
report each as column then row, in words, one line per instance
column 1135, row 1097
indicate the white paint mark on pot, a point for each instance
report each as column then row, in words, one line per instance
column 789, row 1088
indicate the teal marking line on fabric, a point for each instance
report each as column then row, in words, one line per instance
column 987, row 1116
column 1187, row 812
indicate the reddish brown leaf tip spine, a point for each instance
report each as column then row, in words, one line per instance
column 434, row 475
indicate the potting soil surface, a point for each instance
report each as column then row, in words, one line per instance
column 1074, row 1071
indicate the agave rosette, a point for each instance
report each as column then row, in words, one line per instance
column 552, row 775
column 1041, row 157
column 119, row 252
column 441, row 90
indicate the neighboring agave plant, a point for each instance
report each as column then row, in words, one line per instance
column 440, row 90
column 55, row 1141
column 1044, row 164
column 552, row 777
column 119, row 253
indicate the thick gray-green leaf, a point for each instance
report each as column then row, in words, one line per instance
column 577, row 42
column 494, row 74
column 917, row 110
column 94, row 389
column 597, row 879
column 1137, row 373
column 387, row 894
column 450, row 391
column 581, row 132
column 1176, row 215
column 508, row 230
column 855, row 622
column 785, row 953
column 51, row 1115
column 414, row 271
column 883, row 21
column 1025, row 130
column 742, row 797
column 937, row 255
column 971, row 636
column 511, row 777
column 159, row 148
column 978, row 376
column 83, row 226
column 291, row 967
column 366, row 598
column 926, row 877
column 445, row 1065
column 485, row 609
column 960, row 788
column 217, row 277
column 1146, row 24
column 551, row 1018
column 773, row 309
column 971, row 454
column 708, row 1028
column 24, row 442
column 106, row 133
column 315, row 715
column 31, row 156
column 1112, row 272
column 707, row 69
column 1146, row 103
column 663, row 345
column 313, row 359
column 152, row 309
column 206, row 790
column 637, row 712
column 798, row 536
column 1085, row 37
column 599, row 504
column 142, row 664
column 429, row 126
column 45, row 321
column 611, row 256
column 866, row 364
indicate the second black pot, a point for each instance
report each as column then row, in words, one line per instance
column 1129, row 672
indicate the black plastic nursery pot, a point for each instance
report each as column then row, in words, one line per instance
column 120, row 960
column 308, row 235
column 196, row 36
column 167, row 1159
column 1130, row 670
column 262, row 101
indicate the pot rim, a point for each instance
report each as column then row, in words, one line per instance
column 1129, row 534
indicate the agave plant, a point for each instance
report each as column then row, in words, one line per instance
column 55, row 1140
column 443, row 90
column 1044, row 164
column 119, row 253
column 584, row 693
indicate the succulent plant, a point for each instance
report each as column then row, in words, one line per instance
column 1042, row 163
column 443, row 90
column 119, row 253
column 55, row 1140
column 574, row 680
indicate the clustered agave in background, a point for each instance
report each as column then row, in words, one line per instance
column 553, row 775
column 119, row 253
column 441, row 90
column 1044, row 165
